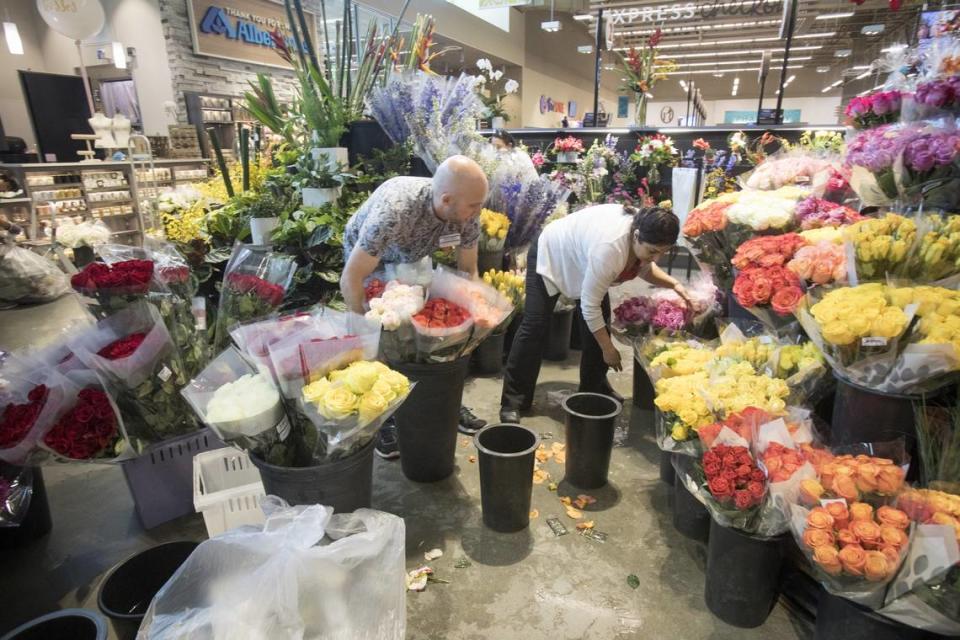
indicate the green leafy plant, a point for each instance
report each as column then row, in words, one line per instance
column 313, row 174
column 314, row 236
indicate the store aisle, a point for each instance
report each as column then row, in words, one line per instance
column 530, row 585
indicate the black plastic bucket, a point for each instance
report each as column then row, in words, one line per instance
column 82, row 256
column 840, row 619
column 128, row 589
column 363, row 137
column 558, row 342
column 488, row 356
column 590, row 421
column 690, row 518
column 667, row 472
column 66, row 624
column 427, row 420
column 487, row 260
column 743, row 576
column 643, row 393
column 506, row 455
column 345, row 484
column 36, row 522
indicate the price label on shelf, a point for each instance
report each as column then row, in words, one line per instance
column 873, row 341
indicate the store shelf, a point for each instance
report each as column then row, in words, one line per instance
column 124, row 187
column 15, row 200
column 42, row 200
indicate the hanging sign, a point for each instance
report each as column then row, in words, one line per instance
column 240, row 30
column 676, row 11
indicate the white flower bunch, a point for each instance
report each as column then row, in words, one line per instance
column 248, row 396
column 762, row 210
column 512, row 86
column 397, row 305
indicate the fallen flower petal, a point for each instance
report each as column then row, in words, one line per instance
column 433, row 554
column 581, row 526
column 574, row 513
column 534, row 514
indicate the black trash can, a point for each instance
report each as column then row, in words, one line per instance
column 558, row 342
column 128, row 589
column 643, row 392
column 506, row 456
column 345, row 484
column 690, row 518
column 840, row 619
column 36, row 523
column 590, row 422
column 66, row 624
column 427, row 420
column 82, row 256
column 362, row 138
column 487, row 260
column 488, row 356
column 743, row 576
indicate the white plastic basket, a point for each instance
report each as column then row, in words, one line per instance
column 227, row 490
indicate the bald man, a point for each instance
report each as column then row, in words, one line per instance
column 405, row 220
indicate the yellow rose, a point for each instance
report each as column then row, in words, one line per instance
column 398, row 381
column 384, row 389
column 337, row 403
column 315, row 390
column 679, row 432
column 358, row 377
column 372, row 406
column 502, row 234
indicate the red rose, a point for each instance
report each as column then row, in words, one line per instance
column 38, row 393
column 711, row 470
column 711, row 457
column 720, row 488
column 742, row 500
column 122, row 348
column 785, row 300
column 84, row 414
column 729, row 460
column 743, row 471
column 757, row 476
column 755, row 489
column 729, row 474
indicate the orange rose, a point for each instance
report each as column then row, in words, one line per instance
column 893, row 557
column 867, row 477
column 875, row 566
column 814, row 538
column 853, row 557
column 828, row 559
column 845, row 537
column 820, row 518
column 893, row 517
column 868, row 532
column 841, row 516
column 893, row 537
column 889, row 480
column 810, row 492
column 845, row 487
column 861, row 511
column 827, row 471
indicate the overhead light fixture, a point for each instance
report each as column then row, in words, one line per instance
column 863, row 75
column 873, row 29
column 843, row 53
column 894, row 48
column 736, row 86
column 583, row 16
column 12, row 35
column 119, row 55
column 701, row 27
column 550, row 25
column 737, row 52
column 858, row 67
column 720, row 43
column 790, row 79
column 832, row 86
column 835, row 16
column 719, row 62
column 585, row 48
column 823, row 68
column 702, row 71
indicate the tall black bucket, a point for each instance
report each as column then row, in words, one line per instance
column 126, row 592
column 345, row 484
column 690, row 518
column 488, row 356
column 363, row 137
column 558, row 342
column 743, row 576
column 506, row 457
column 36, row 523
column 427, row 420
column 643, row 393
column 66, row 624
column 487, row 260
column 840, row 619
column 590, row 422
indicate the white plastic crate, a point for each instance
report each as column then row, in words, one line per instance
column 227, row 490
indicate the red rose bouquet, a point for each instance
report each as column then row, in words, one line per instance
column 442, row 330
column 31, row 400
column 466, row 299
column 730, row 484
column 254, row 284
column 776, row 287
column 134, row 354
column 115, row 286
column 89, row 430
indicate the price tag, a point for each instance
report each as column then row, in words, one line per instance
column 283, row 429
column 165, row 373
column 449, row 240
column 826, row 501
column 873, row 341
column 198, row 306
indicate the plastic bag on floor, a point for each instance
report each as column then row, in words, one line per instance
column 307, row 574
column 26, row 277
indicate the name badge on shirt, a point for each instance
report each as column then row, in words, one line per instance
column 450, row 240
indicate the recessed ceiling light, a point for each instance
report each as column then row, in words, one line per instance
column 843, row 53
column 873, row 29
column 550, row 25
column 837, row 15
column 585, row 48
column 587, row 16
column 823, row 68
column 894, row 48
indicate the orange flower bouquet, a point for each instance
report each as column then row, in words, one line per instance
column 852, row 478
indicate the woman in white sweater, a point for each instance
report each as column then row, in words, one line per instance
column 581, row 256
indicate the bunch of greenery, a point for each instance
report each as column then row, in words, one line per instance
column 311, row 173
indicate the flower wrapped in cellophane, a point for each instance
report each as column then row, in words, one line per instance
column 493, row 230
column 665, row 356
column 32, row 398
column 253, row 339
column 872, row 156
column 394, row 310
column 764, row 285
column 664, row 309
column 240, row 402
column 802, row 169
column 929, row 171
column 935, row 256
column 703, row 233
column 881, row 245
column 16, row 493
column 804, row 369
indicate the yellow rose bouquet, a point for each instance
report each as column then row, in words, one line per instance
column 804, row 370
column 881, row 245
column 510, row 284
column 663, row 357
column 348, row 405
column 936, row 255
column 493, row 230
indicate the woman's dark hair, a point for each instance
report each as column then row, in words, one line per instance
column 654, row 225
column 507, row 138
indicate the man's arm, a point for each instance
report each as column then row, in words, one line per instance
column 467, row 260
column 359, row 265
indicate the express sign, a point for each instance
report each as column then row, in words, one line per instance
column 240, row 29
column 694, row 10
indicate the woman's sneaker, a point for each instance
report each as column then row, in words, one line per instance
column 387, row 446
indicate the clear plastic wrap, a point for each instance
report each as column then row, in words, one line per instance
column 33, row 399
column 488, row 308
column 306, row 574
column 16, row 492
column 253, row 339
column 26, row 277
column 412, row 273
column 792, row 168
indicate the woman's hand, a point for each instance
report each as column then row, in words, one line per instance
column 612, row 357
column 682, row 292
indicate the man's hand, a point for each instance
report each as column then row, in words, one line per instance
column 359, row 265
column 612, row 357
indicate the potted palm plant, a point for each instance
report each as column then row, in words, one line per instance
column 318, row 181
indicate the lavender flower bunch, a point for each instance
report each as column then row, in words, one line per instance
column 938, row 95
column 528, row 205
column 931, row 170
column 876, row 150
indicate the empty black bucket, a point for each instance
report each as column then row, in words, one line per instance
column 690, row 518
column 363, row 137
column 345, row 484
column 36, row 523
column 667, row 472
column 643, row 393
column 130, row 586
column 82, row 256
column 427, row 420
column 66, row 624
column 558, row 342
column 590, row 419
column 840, row 619
column 506, row 456
column 743, row 576
column 487, row 260
column 488, row 356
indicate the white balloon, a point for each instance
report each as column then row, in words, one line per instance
column 76, row 19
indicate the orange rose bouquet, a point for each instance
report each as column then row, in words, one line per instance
column 853, row 477
column 703, row 231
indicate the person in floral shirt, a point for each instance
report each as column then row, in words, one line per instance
column 405, row 220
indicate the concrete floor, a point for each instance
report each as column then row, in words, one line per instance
column 529, row 585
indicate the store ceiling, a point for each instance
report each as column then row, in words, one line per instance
column 712, row 51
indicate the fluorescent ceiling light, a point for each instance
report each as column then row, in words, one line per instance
column 737, row 52
column 701, row 27
column 858, row 67
column 550, row 25
column 843, row 53
column 832, row 86
column 119, row 55
column 823, row 68
column 873, row 29
column 736, row 86
column 12, row 35
column 790, row 79
column 718, row 62
column 894, row 48
column 720, row 43
column 585, row 48
column 683, row 83
column 701, row 71
column 583, row 16
column 837, row 15
column 863, row 75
